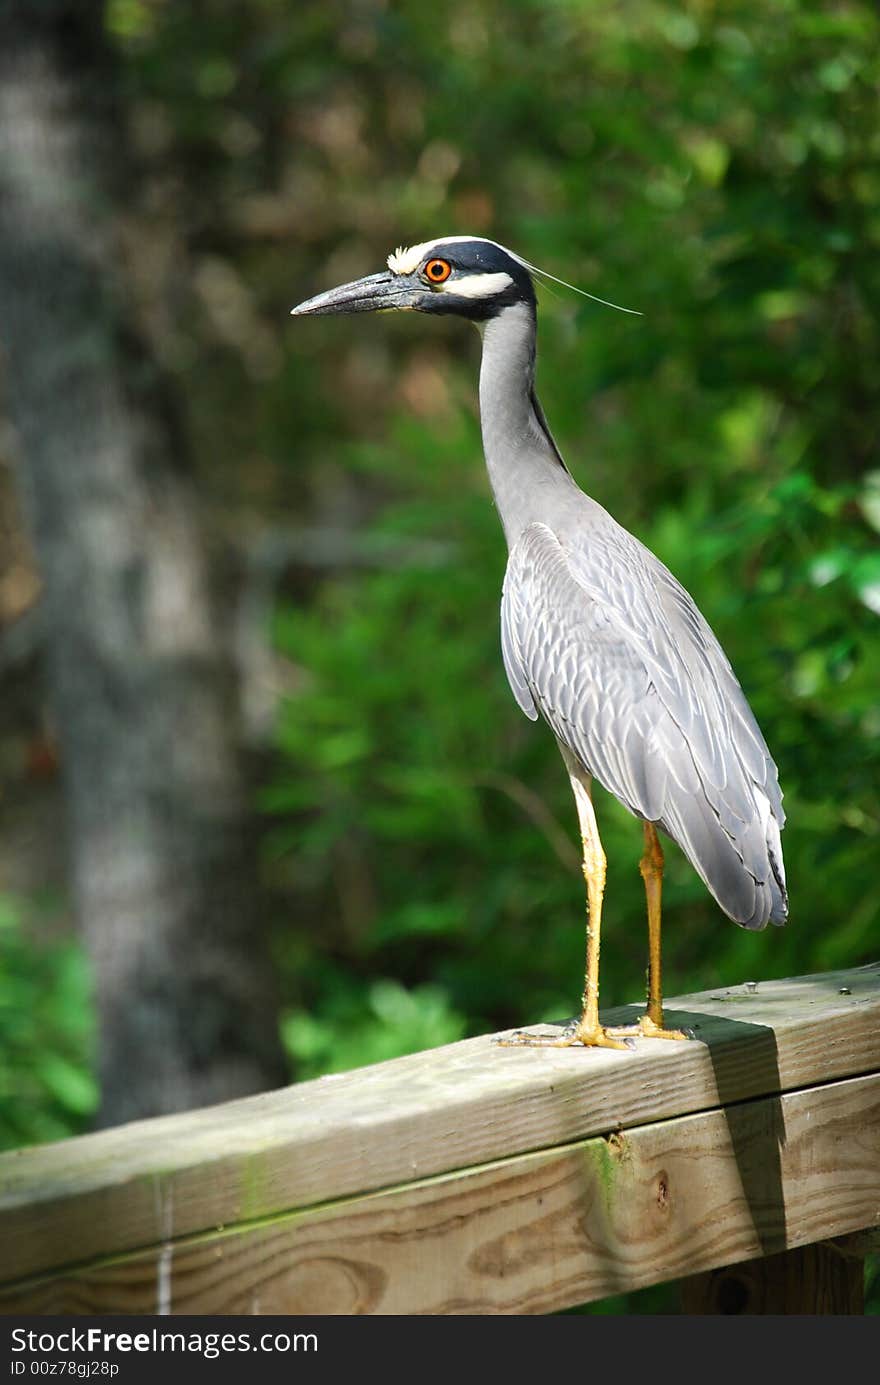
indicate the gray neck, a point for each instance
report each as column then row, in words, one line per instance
column 526, row 472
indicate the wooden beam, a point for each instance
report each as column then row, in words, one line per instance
column 813, row 1279
column 167, row 1180
column 529, row 1234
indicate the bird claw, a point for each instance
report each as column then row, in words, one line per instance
column 574, row 1036
column 647, row 1029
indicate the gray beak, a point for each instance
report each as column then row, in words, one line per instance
column 376, row 293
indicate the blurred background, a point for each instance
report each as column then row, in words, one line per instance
column 268, row 808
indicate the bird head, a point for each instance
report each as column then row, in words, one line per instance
column 464, row 275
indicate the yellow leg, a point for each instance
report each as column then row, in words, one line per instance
column 650, row 1026
column 588, row 1031
column 651, row 868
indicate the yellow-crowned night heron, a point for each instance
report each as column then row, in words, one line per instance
column 597, row 635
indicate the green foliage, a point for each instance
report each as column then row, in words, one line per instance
column 47, row 1089
column 349, row 1034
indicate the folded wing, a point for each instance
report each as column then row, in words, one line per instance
column 602, row 640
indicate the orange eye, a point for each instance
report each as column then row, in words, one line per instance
column 437, row 271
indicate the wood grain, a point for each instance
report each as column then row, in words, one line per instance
column 433, row 1113
column 530, row 1234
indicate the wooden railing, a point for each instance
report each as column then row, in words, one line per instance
column 479, row 1178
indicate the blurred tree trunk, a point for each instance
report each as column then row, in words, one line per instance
column 141, row 687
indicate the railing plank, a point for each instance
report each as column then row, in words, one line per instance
column 533, row 1233
column 414, row 1118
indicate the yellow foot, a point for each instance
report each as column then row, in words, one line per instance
column 597, row 1037
column 647, row 1029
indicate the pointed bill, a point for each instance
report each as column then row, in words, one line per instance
column 375, row 293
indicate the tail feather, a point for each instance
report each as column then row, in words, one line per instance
column 743, row 872
column 779, row 911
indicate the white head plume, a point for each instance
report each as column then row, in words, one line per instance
column 406, row 260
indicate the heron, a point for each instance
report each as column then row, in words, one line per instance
column 597, row 636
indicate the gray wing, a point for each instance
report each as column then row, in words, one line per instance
column 601, row 640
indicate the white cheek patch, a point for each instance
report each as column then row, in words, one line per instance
column 477, row 285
